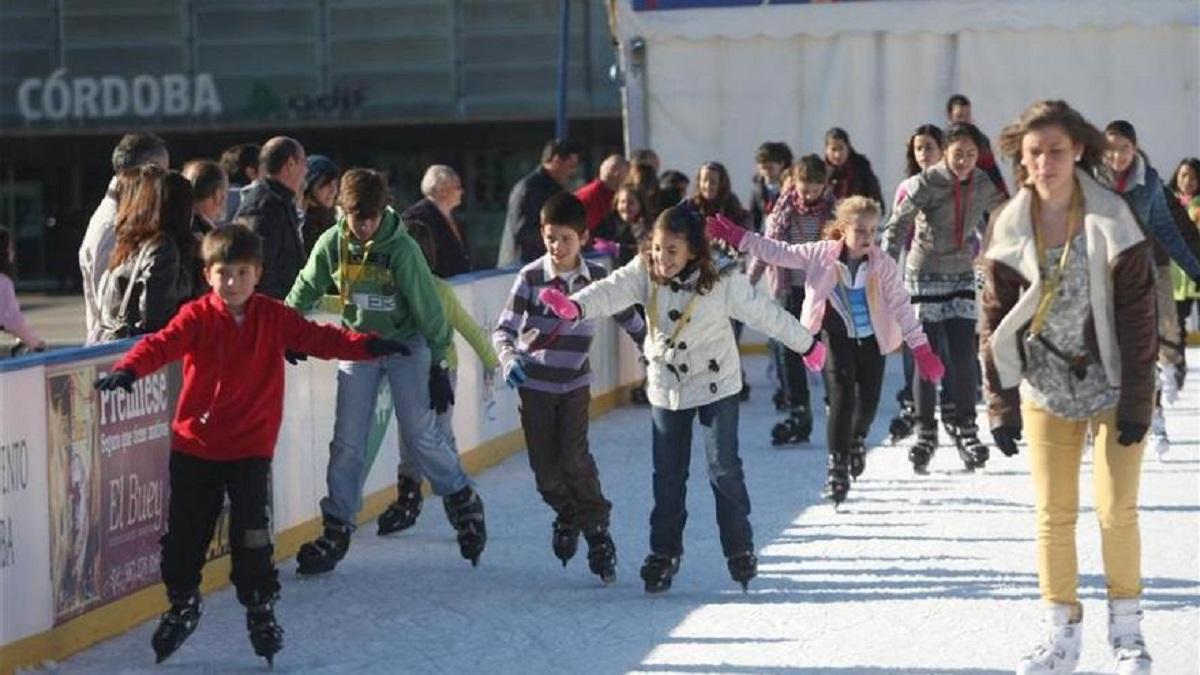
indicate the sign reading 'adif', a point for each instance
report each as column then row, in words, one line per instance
column 112, row 96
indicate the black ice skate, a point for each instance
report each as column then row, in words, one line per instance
column 464, row 509
column 266, row 635
column 565, row 539
column 922, row 451
column 323, row 554
column 901, row 426
column 657, row 572
column 742, row 568
column 946, row 411
column 602, row 555
column 402, row 513
column 176, row 624
column 973, row 453
column 797, row 428
column 780, row 400
column 838, row 482
column 858, row 456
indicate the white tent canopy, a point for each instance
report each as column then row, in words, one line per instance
column 717, row 82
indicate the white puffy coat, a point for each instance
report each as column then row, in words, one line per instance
column 701, row 363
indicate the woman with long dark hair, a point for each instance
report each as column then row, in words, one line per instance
column 142, row 287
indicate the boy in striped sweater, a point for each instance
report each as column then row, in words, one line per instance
column 798, row 217
column 546, row 359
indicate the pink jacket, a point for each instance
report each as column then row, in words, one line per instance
column 11, row 319
column 892, row 315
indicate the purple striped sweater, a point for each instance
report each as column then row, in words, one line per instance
column 553, row 352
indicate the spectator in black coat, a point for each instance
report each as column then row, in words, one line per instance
column 443, row 192
column 268, row 208
column 521, row 241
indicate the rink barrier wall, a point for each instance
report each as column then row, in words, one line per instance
column 41, row 443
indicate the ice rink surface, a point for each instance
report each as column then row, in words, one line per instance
column 914, row 575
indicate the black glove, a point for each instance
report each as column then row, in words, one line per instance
column 294, row 357
column 117, row 378
column 378, row 346
column 1129, row 433
column 441, row 394
column 1005, row 438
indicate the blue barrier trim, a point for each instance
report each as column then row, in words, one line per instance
column 66, row 355
column 104, row 349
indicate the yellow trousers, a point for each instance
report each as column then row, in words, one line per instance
column 1055, row 454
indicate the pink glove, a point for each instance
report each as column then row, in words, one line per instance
column 929, row 366
column 814, row 360
column 606, row 247
column 720, row 227
column 559, row 303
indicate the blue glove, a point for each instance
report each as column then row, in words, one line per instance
column 514, row 373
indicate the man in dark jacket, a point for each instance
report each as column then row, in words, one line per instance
column 521, row 241
column 268, row 208
column 443, row 192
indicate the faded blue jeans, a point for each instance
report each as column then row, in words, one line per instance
column 672, row 441
column 358, row 387
column 410, row 463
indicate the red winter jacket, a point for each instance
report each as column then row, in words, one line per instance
column 231, row 404
column 597, row 201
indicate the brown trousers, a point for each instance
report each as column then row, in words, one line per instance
column 556, row 433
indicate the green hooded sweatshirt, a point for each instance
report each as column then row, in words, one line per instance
column 385, row 286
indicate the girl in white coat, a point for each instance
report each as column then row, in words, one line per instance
column 693, row 371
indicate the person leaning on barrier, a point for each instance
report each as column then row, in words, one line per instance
column 443, row 191
column 521, row 241
column 268, row 208
column 132, row 151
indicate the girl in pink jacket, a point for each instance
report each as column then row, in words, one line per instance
column 854, row 294
column 11, row 319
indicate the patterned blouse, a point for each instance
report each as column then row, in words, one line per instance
column 1049, row 382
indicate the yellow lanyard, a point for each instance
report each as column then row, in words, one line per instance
column 346, row 280
column 652, row 313
column 1050, row 288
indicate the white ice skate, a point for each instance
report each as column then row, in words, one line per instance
column 1125, row 637
column 1157, row 441
column 1058, row 653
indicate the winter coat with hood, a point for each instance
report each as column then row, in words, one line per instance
column 693, row 358
column 1122, row 332
column 384, row 284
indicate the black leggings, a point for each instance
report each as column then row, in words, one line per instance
column 953, row 338
column 853, row 380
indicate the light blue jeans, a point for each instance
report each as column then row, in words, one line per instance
column 410, row 463
column 358, row 386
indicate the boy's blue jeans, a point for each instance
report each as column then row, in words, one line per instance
column 672, row 453
column 358, row 386
column 410, row 463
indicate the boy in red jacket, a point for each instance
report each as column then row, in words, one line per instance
column 232, row 343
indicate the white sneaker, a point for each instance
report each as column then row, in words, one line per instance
column 1125, row 637
column 1058, row 653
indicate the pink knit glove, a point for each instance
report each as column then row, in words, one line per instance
column 929, row 366
column 606, row 247
column 559, row 303
column 814, row 360
column 720, row 227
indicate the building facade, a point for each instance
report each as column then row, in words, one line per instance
column 392, row 84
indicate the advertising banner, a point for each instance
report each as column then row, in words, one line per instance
column 108, row 455
column 24, row 537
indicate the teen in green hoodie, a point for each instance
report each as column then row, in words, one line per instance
column 384, row 287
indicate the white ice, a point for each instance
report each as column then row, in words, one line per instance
column 931, row 574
